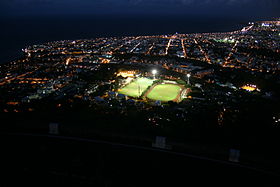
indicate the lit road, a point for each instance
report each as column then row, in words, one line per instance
column 118, row 48
column 106, row 46
column 233, row 50
column 203, row 52
column 168, row 45
column 17, row 77
column 150, row 49
column 246, row 29
column 135, row 47
column 184, row 49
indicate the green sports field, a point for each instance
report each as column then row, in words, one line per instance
column 137, row 87
column 164, row 92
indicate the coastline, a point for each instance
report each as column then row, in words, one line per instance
column 17, row 36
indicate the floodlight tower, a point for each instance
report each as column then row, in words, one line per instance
column 188, row 76
column 154, row 72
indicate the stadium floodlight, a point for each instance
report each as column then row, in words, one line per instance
column 154, row 72
column 188, row 75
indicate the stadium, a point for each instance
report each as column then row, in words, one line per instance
column 154, row 89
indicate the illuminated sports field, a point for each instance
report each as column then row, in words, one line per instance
column 137, row 87
column 165, row 92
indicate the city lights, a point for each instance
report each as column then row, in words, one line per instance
column 249, row 87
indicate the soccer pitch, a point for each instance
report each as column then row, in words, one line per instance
column 165, row 92
column 137, row 87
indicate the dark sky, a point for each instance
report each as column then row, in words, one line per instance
column 238, row 8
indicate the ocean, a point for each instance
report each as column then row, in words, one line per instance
column 17, row 33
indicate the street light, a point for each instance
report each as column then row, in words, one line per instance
column 188, row 75
column 154, row 72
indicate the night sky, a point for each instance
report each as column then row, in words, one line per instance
column 239, row 8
